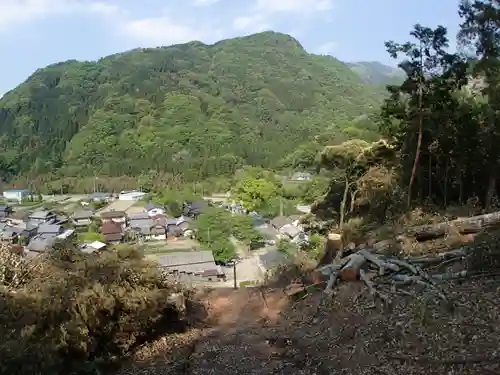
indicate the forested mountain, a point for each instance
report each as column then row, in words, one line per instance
column 375, row 73
column 190, row 109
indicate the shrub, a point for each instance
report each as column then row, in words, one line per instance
column 77, row 311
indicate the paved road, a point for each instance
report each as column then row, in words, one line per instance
column 249, row 268
column 65, row 197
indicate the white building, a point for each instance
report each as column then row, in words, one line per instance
column 131, row 195
column 16, row 194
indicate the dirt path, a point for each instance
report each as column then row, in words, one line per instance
column 250, row 334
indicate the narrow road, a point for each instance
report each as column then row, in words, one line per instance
column 248, row 269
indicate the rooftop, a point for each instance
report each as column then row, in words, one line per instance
column 41, row 214
column 189, row 261
column 113, row 214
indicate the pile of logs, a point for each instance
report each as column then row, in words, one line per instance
column 374, row 270
column 382, row 272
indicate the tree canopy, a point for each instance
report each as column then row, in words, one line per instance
column 190, row 110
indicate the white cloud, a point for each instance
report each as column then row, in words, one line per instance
column 295, row 6
column 326, row 48
column 166, row 27
column 251, row 24
column 162, row 30
column 203, row 3
column 265, row 13
column 148, row 31
column 16, row 12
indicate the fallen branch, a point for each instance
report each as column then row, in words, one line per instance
column 473, row 224
column 371, row 286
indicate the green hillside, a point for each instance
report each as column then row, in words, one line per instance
column 191, row 109
column 375, row 73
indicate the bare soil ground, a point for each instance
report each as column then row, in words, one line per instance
column 254, row 331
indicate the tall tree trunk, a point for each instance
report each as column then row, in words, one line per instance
column 429, row 193
column 446, row 170
column 343, row 203
column 342, row 217
column 492, row 186
column 419, row 145
column 420, row 128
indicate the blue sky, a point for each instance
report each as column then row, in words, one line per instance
column 35, row 33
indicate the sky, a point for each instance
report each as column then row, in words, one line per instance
column 36, row 33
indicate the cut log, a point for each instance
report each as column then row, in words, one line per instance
column 332, row 246
column 472, row 224
column 350, row 272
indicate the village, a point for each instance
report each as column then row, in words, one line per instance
column 104, row 221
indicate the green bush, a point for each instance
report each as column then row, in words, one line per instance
column 77, row 312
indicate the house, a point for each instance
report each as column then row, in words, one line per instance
column 112, row 232
column 294, row 234
column 150, row 232
column 280, row 221
column 142, row 227
column 40, row 244
column 131, row 195
column 272, row 259
column 5, row 211
column 296, row 221
column 16, row 194
column 257, row 219
column 301, row 176
column 61, row 219
column 237, row 208
column 194, row 209
column 154, row 209
column 138, row 216
column 82, row 218
column 100, row 197
column 192, row 262
column 92, row 247
column 289, row 231
column 185, row 226
column 270, row 234
column 160, row 220
column 8, row 233
column 66, row 234
column 173, row 229
column 40, row 217
column 47, row 229
column 158, row 232
column 119, row 217
column 26, row 230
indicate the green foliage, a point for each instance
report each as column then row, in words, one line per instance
column 74, row 312
column 278, row 206
column 315, row 189
column 286, row 247
column 173, row 200
column 213, row 230
column 242, row 228
column 91, row 236
column 187, row 111
column 254, row 192
column 315, row 247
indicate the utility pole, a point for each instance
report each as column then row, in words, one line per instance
column 281, row 206
column 234, row 275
